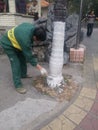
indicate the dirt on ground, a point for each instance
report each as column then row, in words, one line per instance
column 64, row 92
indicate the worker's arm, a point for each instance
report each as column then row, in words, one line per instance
column 32, row 60
column 29, row 56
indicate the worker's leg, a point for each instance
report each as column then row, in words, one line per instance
column 16, row 70
column 15, row 65
column 23, row 65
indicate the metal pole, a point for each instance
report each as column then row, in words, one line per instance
column 79, row 25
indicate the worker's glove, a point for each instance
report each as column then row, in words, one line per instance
column 43, row 72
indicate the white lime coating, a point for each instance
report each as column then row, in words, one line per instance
column 56, row 60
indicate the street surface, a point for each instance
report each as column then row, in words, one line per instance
column 82, row 112
column 20, row 112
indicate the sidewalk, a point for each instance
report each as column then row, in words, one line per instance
column 35, row 111
column 82, row 114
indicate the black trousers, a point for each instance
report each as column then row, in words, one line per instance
column 89, row 29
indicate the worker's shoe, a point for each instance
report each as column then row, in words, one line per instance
column 27, row 76
column 21, row 90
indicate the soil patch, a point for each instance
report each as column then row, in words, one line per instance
column 64, row 92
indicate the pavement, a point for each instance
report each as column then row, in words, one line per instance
column 35, row 111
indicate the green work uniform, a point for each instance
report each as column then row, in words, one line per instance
column 24, row 37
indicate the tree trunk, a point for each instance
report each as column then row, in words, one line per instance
column 55, row 78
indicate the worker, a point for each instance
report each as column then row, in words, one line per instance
column 17, row 43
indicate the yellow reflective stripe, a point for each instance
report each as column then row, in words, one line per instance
column 13, row 39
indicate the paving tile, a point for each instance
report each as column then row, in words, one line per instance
column 61, row 123
column 89, row 123
column 95, row 63
column 97, row 84
column 56, row 124
column 94, row 109
column 95, row 59
column 88, row 92
column 84, row 103
column 75, row 114
column 45, row 128
column 78, row 128
column 96, row 99
column 66, row 124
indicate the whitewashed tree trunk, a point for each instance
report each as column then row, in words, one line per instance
column 55, row 78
